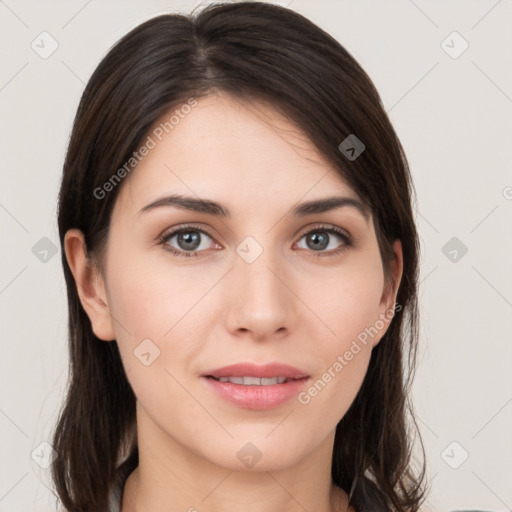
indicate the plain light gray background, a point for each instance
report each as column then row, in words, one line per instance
column 453, row 115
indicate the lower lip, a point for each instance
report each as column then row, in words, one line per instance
column 257, row 397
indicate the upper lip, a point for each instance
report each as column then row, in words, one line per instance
column 253, row 370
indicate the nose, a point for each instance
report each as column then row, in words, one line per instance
column 259, row 300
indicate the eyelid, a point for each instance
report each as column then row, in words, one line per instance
column 347, row 238
column 185, row 227
column 328, row 227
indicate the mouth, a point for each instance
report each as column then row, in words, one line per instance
column 249, row 386
column 251, row 374
column 255, row 381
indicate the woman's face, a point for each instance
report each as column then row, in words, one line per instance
column 249, row 287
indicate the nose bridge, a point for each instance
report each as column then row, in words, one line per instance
column 259, row 299
column 255, row 269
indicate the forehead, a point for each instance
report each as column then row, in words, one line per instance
column 240, row 153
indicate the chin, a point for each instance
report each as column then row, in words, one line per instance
column 255, row 454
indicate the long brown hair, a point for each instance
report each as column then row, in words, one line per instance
column 254, row 51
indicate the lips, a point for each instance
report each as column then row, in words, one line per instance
column 249, row 386
column 253, row 381
column 247, row 371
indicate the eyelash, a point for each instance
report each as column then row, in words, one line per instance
column 347, row 241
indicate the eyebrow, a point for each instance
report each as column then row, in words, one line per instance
column 213, row 208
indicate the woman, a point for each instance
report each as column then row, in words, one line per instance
column 241, row 263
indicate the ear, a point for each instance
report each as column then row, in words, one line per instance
column 390, row 292
column 89, row 284
column 388, row 298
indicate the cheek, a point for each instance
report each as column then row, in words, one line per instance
column 332, row 392
column 150, row 299
column 152, row 321
column 161, row 304
column 348, row 301
column 348, row 306
column 344, row 349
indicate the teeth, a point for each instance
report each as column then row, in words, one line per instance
column 253, row 381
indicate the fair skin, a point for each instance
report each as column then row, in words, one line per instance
column 216, row 309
